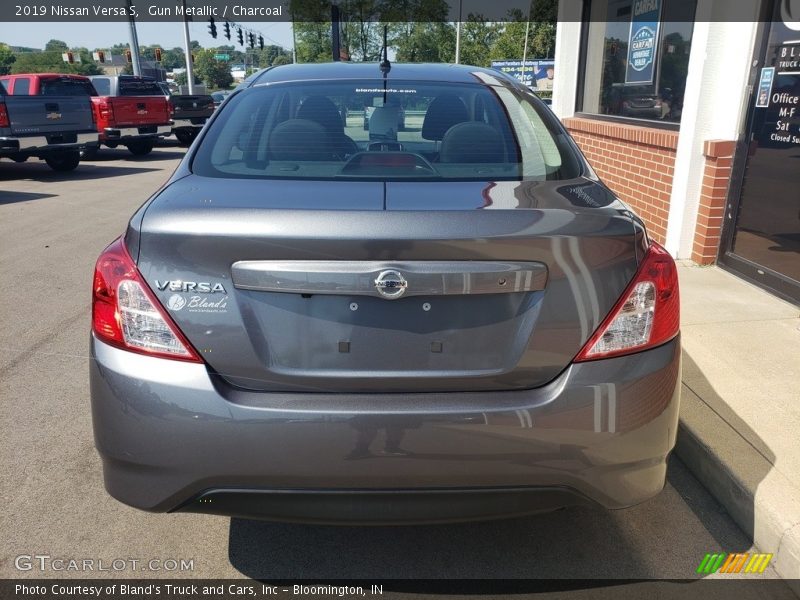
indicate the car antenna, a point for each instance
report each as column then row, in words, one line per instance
column 385, row 65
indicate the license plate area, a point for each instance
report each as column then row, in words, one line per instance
column 361, row 336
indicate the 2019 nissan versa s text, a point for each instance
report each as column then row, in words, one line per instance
column 311, row 321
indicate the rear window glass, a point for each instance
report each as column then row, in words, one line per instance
column 66, row 87
column 102, row 85
column 128, row 87
column 22, row 86
column 365, row 130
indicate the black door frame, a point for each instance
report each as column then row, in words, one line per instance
column 766, row 278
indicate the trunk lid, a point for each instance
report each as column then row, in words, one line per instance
column 278, row 292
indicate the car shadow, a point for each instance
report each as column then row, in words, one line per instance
column 159, row 153
column 733, row 439
column 12, row 197
column 576, row 543
column 39, row 171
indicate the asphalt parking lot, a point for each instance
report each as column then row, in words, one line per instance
column 52, row 227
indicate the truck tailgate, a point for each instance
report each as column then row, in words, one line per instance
column 44, row 115
column 139, row 110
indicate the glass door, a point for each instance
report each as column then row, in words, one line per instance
column 762, row 242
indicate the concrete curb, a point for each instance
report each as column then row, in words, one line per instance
column 756, row 495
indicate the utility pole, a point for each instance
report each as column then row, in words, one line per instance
column 458, row 34
column 188, row 51
column 134, row 43
column 525, row 49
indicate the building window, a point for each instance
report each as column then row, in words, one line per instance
column 637, row 57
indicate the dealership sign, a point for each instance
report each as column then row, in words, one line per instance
column 534, row 74
column 643, row 41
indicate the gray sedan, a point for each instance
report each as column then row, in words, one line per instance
column 313, row 322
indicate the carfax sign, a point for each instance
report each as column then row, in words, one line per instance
column 643, row 41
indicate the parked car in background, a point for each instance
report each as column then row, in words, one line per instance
column 641, row 102
column 459, row 323
column 189, row 113
column 47, row 116
column 130, row 111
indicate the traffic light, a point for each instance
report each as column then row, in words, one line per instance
column 68, row 57
column 100, row 56
column 252, row 39
column 157, row 52
column 227, row 30
column 212, row 28
column 128, row 56
column 241, row 39
column 261, row 42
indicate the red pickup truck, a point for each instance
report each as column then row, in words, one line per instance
column 130, row 111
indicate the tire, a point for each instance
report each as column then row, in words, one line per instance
column 140, row 148
column 185, row 137
column 66, row 161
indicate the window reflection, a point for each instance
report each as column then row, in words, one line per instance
column 605, row 89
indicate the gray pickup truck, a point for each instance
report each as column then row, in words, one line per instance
column 189, row 113
column 55, row 128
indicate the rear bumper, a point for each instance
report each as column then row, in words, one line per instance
column 123, row 134
column 194, row 123
column 36, row 144
column 174, row 437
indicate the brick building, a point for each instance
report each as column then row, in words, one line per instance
column 690, row 111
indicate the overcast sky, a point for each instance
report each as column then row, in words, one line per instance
column 100, row 35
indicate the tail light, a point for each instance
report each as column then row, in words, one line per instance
column 4, row 122
column 106, row 110
column 647, row 314
column 126, row 313
column 171, row 107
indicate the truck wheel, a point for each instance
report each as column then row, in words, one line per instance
column 140, row 148
column 185, row 137
column 66, row 161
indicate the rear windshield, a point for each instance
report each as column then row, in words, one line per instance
column 403, row 130
column 102, row 85
column 66, row 87
column 133, row 87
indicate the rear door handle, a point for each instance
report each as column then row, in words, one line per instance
column 51, row 106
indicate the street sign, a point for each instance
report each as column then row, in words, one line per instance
column 222, row 56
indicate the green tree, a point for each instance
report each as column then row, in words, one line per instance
column 52, row 62
column 215, row 73
column 283, row 59
column 56, row 46
column 7, row 58
column 313, row 41
column 427, row 42
column 182, row 79
column 478, row 37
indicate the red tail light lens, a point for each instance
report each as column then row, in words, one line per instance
column 4, row 122
column 126, row 313
column 106, row 111
column 647, row 315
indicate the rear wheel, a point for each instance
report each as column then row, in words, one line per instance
column 185, row 136
column 66, row 161
column 140, row 148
